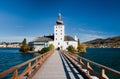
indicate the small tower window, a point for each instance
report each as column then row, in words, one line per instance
column 67, row 43
column 56, row 30
column 56, row 38
column 61, row 38
column 61, row 33
column 58, row 43
column 56, row 33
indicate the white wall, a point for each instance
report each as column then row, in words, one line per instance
column 68, row 43
column 58, row 35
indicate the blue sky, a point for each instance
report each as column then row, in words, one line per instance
column 88, row 19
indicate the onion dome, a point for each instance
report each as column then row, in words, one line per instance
column 59, row 21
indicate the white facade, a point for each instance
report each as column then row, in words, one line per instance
column 60, row 40
column 59, row 36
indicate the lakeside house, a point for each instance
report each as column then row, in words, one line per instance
column 59, row 39
column 2, row 45
column 10, row 45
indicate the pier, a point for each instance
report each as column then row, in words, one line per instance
column 58, row 65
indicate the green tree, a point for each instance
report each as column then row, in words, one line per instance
column 51, row 46
column 44, row 50
column 24, row 43
column 81, row 47
column 71, row 49
column 24, row 47
column 78, row 48
column 7, row 44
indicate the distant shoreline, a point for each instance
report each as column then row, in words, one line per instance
column 9, row 47
column 106, row 48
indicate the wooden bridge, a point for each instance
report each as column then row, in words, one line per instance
column 58, row 65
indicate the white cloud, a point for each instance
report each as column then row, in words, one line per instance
column 88, row 34
column 87, row 37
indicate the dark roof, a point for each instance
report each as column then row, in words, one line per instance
column 43, row 39
column 68, row 38
column 51, row 38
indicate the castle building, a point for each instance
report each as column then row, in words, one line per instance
column 58, row 39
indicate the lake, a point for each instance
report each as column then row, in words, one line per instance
column 109, row 57
column 10, row 57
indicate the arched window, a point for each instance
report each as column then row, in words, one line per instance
column 58, row 43
column 67, row 43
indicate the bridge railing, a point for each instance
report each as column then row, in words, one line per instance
column 32, row 66
column 85, row 65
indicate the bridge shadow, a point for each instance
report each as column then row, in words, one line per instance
column 70, row 71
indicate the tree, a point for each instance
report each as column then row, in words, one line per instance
column 81, row 47
column 44, row 50
column 24, row 43
column 24, row 47
column 51, row 46
column 71, row 49
column 78, row 48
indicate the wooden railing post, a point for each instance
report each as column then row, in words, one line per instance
column 29, row 68
column 15, row 75
column 36, row 62
column 40, row 60
column 88, row 68
column 81, row 63
column 104, row 76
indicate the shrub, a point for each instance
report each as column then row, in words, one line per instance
column 81, row 48
column 24, row 47
column 44, row 50
column 51, row 46
column 71, row 49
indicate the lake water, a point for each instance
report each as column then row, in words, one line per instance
column 110, row 57
column 10, row 57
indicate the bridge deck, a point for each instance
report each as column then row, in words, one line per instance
column 57, row 67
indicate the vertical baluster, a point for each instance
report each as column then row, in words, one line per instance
column 29, row 69
column 88, row 68
column 36, row 62
column 15, row 75
column 81, row 63
column 40, row 60
column 104, row 76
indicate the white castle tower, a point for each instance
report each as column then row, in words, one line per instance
column 59, row 39
column 59, row 33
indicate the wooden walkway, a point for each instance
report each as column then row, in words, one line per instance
column 57, row 67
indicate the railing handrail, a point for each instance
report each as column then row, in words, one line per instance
column 81, row 64
column 19, row 65
column 10, row 70
column 100, row 66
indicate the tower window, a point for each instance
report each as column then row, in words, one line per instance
column 61, row 30
column 56, row 30
column 61, row 38
column 56, row 33
column 56, row 38
column 61, row 33
column 67, row 43
column 58, row 43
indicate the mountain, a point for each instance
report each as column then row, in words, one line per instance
column 113, row 42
